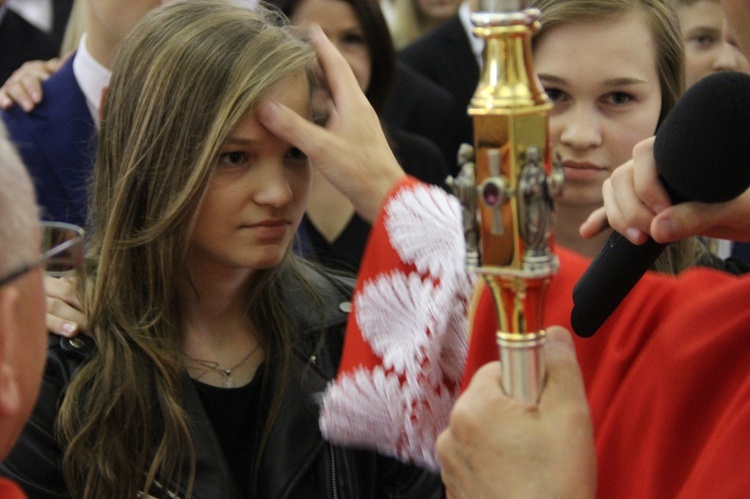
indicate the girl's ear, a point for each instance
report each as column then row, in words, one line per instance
column 10, row 399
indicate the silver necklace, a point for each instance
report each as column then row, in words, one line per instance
column 209, row 365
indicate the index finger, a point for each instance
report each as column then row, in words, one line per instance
column 596, row 223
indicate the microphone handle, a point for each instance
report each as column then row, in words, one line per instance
column 609, row 278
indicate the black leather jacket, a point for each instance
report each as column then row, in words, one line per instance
column 298, row 462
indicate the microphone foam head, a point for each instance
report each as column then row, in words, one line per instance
column 702, row 149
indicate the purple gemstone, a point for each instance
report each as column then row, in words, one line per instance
column 491, row 193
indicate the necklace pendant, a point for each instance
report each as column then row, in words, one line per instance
column 207, row 365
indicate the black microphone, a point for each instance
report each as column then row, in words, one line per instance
column 702, row 153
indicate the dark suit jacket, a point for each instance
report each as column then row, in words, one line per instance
column 444, row 56
column 57, row 141
column 20, row 41
column 60, row 14
column 420, row 106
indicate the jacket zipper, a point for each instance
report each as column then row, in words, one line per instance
column 334, row 483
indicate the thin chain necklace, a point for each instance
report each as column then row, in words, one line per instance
column 208, row 365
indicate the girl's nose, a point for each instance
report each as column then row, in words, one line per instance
column 275, row 189
column 581, row 128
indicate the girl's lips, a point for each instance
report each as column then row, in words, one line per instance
column 269, row 223
column 583, row 171
column 270, row 230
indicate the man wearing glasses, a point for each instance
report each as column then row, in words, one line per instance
column 23, row 334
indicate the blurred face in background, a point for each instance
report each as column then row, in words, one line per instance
column 437, row 11
column 339, row 22
column 706, row 50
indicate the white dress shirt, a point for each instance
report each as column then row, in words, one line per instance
column 477, row 44
column 92, row 78
column 37, row 12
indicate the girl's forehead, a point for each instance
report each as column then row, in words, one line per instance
column 624, row 41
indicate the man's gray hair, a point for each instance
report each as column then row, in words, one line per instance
column 19, row 215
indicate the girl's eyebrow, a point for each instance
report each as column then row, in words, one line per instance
column 702, row 29
column 239, row 141
column 618, row 82
column 612, row 82
column 551, row 78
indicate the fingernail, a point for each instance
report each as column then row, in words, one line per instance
column 26, row 105
column 558, row 334
column 36, row 97
column 69, row 327
column 633, row 235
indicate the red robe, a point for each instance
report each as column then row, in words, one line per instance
column 10, row 490
column 666, row 376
